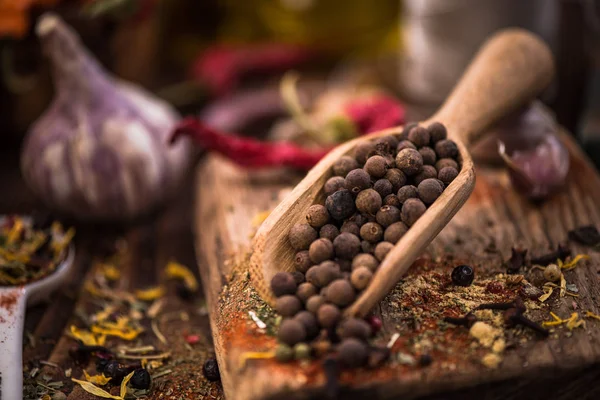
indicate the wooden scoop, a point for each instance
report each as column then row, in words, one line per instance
column 511, row 68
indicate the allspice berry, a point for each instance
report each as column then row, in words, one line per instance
column 329, row 231
column 552, row 273
column 302, row 261
column 372, row 232
column 437, row 132
column 357, row 180
column 298, row 277
column 407, row 192
column 446, row 162
column 283, row 283
column 385, row 144
column 343, row 165
column 396, row 178
column 334, row 184
column 447, row 175
column 446, row 149
column 311, row 274
column 354, row 328
column 363, row 150
column 310, row 323
column 405, row 144
column 291, row 332
column 382, row 249
column 314, row 303
column 429, row 190
column 427, row 172
column 345, row 265
column 320, row 250
column 383, row 187
column 346, row 246
column 340, row 206
column 367, row 247
column 352, row 353
column 394, row 232
column 387, row 215
column 392, row 200
column 350, row 227
column 340, row 292
column 412, row 209
column 419, row 136
column 365, row 260
column 317, row 215
column 305, row 291
column 288, row 305
column 428, row 154
column 328, row 315
column 409, row 161
column 302, row 235
column 368, row 201
column 323, row 275
column 361, row 277
column 376, row 166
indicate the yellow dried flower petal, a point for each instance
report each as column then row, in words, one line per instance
column 124, row 384
column 563, row 285
column 573, row 263
column 259, row 218
column 179, row 271
column 96, row 379
column 547, row 293
column 150, row 294
column 110, row 272
column 87, row 337
column 95, row 390
column 15, row 231
column 254, row 355
column 590, row 314
column 118, row 329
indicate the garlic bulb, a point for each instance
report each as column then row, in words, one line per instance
column 100, row 151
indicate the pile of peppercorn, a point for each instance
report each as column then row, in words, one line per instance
column 374, row 197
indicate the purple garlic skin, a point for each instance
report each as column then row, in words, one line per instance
column 100, row 151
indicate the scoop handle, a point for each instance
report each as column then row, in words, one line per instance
column 12, row 317
column 512, row 67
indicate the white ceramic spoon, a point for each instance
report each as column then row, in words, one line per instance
column 13, row 301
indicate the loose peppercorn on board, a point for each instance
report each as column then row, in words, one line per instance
column 429, row 357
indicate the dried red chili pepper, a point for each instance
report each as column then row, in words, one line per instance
column 375, row 113
column 248, row 152
column 221, row 67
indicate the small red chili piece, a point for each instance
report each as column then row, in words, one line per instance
column 494, row 287
column 375, row 113
column 192, row 339
column 375, row 323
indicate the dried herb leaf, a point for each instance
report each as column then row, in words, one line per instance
column 95, row 390
column 180, row 271
column 124, row 384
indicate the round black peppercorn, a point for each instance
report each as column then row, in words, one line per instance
column 383, row 187
column 317, row 216
column 412, row 209
column 314, row 303
column 425, row 360
column 447, row 175
column 328, row 315
column 407, row 192
column 463, row 275
column 334, row 184
column 340, row 293
column 354, row 328
column 387, row 215
column 357, row 180
column 363, row 150
column 376, row 166
column 405, row 144
column 361, row 277
column 211, row 370
column 302, row 261
column 346, row 245
column 329, row 231
column 429, row 190
column 446, row 149
column 291, row 332
column 428, row 155
column 320, row 250
column 394, row 232
column 372, row 232
column 367, row 247
column 283, row 283
column 409, row 161
column 288, row 305
column 352, row 353
column 343, row 165
column 365, row 260
column 116, row 371
column 340, row 206
column 437, row 132
column 396, row 178
column 427, row 172
column 382, row 249
column 392, row 200
column 419, row 136
column 446, row 162
column 305, row 291
column 309, row 321
column 141, row 379
column 368, row 201
column 302, row 235
column 350, row 227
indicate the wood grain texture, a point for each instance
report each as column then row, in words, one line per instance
column 510, row 69
column 494, row 219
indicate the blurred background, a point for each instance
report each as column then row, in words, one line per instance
column 191, row 52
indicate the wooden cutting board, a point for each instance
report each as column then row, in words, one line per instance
column 230, row 203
